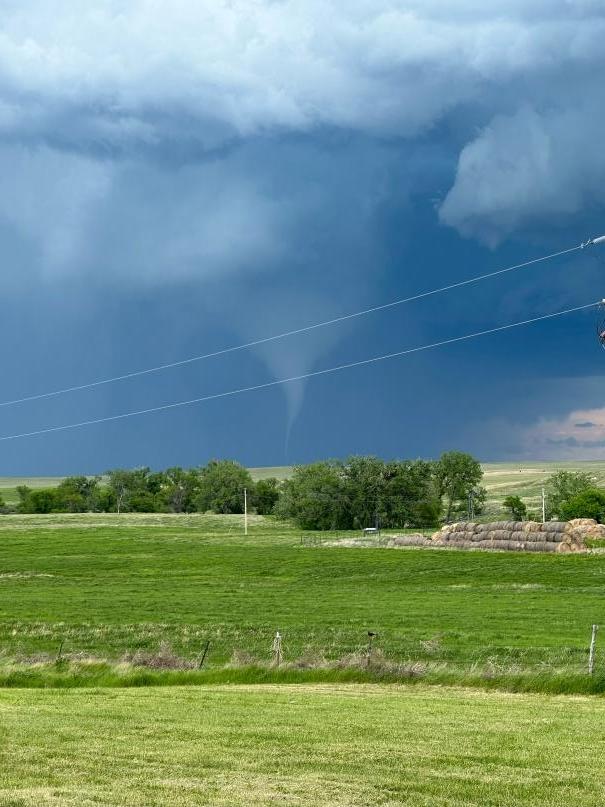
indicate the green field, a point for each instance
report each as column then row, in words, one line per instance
column 299, row 746
column 106, row 585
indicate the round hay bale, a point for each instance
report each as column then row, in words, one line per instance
column 554, row 537
column 483, row 528
column 519, row 535
column 555, row 526
column 508, row 545
column 531, row 526
column 409, row 540
column 501, row 535
column 541, row 546
column 562, row 546
column 582, row 522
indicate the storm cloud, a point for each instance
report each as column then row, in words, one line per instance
column 185, row 82
column 180, row 176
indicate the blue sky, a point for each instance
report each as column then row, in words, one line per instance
column 180, row 177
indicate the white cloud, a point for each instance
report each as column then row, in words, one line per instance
column 139, row 81
column 526, row 167
column 247, row 66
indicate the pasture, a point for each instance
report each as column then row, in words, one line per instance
column 301, row 746
column 107, row 585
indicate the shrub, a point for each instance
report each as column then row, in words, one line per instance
column 588, row 504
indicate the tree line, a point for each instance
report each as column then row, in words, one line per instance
column 338, row 494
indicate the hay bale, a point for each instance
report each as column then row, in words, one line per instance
column 541, row 546
column 586, row 528
column 582, row 522
column 501, row 525
column 409, row 540
column 553, row 537
column 555, row 526
column 531, row 526
column 519, row 536
column 464, row 526
column 509, row 545
column 500, row 535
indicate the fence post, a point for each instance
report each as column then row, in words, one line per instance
column 371, row 637
column 277, row 649
column 204, row 654
column 591, row 655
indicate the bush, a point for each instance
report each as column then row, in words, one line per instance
column 266, row 496
column 516, row 507
column 221, row 487
column 562, row 487
column 588, row 504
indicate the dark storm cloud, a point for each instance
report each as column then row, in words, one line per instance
column 98, row 88
column 263, row 165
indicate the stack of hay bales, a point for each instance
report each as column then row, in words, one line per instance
column 528, row 536
column 587, row 528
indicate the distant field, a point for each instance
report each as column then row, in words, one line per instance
column 9, row 485
column 300, row 746
column 501, row 480
column 107, row 584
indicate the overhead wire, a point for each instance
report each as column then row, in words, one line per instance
column 285, row 334
column 302, row 377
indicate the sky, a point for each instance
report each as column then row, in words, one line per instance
column 180, row 177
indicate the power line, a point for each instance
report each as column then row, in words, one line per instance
column 303, row 377
column 284, row 334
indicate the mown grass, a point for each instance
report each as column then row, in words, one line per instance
column 105, row 586
column 305, row 746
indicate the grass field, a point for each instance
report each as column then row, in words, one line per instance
column 299, row 746
column 107, row 585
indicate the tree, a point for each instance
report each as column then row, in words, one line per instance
column 457, row 475
column 42, row 500
column 516, row 507
column 409, row 497
column 364, row 488
column 315, row 497
column 361, row 492
column 221, row 487
column 563, row 486
column 79, row 493
column 265, row 495
column 587, row 504
column 180, row 488
column 134, row 490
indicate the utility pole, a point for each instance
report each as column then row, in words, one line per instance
column 543, row 506
column 245, row 511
